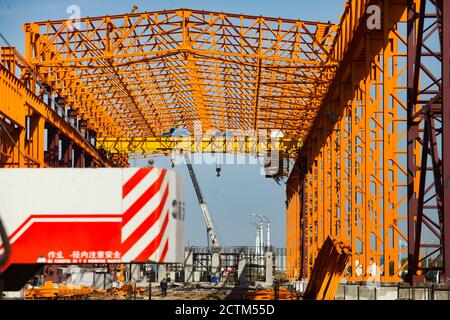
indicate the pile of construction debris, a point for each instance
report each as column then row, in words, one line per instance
column 176, row 291
column 52, row 291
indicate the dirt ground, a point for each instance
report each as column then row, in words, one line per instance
column 176, row 293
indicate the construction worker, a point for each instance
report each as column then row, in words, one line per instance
column 41, row 281
column 276, row 289
column 163, row 285
column 291, row 287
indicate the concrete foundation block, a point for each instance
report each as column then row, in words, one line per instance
column 339, row 293
column 404, row 294
column 442, row 295
column 420, row 294
column 366, row 293
column 413, row 294
column 386, row 293
column 351, row 292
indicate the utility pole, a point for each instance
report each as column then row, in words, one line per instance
column 261, row 228
column 268, row 230
column 257, row 241
column 261, row 240
column 261, row 232
column 261, row 218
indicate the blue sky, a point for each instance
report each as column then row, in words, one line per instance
column 14, row 13
column 231, row 198
column 241, row 189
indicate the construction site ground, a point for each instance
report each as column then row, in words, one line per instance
column 189, row 292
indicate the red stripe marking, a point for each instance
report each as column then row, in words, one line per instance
column 163, row 254
column 68, row 215
column 147, row 224
column 144, row 198
column 154, row 245
column 134, row 180
column 20, row 227
column 49, row 216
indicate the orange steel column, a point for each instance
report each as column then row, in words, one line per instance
column 315, row 219
column 311, row 223
column 357, row 176
column 326, row 187
column 293, row 229
column 395, row 144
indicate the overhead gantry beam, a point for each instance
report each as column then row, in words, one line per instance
column 251, row 146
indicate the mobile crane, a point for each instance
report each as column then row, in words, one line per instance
column 212, row 234
column 204, row 207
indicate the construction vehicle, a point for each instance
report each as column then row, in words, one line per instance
column 210, row 229
column 203, row 206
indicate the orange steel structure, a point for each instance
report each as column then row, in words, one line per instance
column 136, row 75
column 350, row 178
column 25, row 117
column 337, row 92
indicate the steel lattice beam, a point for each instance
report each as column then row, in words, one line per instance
column 147, row 72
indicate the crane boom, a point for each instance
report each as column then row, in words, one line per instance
column 203, row 206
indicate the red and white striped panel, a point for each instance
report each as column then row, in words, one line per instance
column 84, row 214
column 146, row 215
